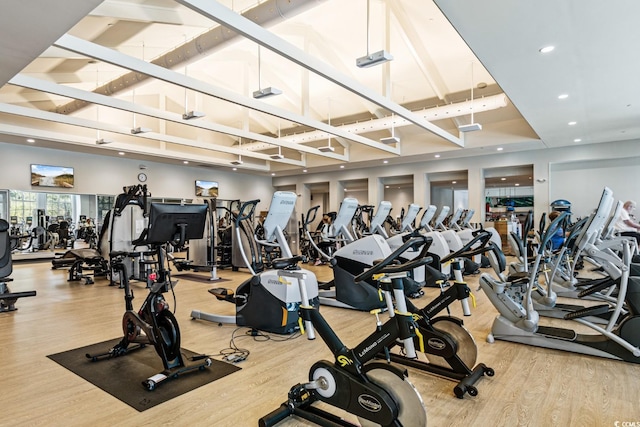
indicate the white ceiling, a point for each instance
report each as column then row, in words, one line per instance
column 81, row 74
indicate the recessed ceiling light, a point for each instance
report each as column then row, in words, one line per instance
column 341, row 166
column 304, row 170
column 234, row 169
column 499, row 148
column 437, row 156
column 186, row 162
column 577, row 140
column 572, row 123
column 31, row 140
column 386, row 186
column 273, row 174
column 454, row 182
column 503, row 179
column 546, row 49
column 121, row 153
column 385, row 161
column 517, row 185
column 563, row 96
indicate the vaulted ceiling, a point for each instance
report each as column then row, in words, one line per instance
column 84, row 76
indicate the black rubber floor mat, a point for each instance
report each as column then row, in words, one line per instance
column 122, row 376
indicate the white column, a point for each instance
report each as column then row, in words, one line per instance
column 475, row 185
column 420, row 191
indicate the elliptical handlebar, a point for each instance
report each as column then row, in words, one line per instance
column 551, row 230
column 311, row 216
column 385, row 265
column 241, row 213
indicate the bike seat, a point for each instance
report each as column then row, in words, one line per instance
column 286, row 263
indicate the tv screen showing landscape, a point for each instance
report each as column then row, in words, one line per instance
column 51, row 176
column 206, row 189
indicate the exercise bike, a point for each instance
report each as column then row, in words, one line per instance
column 450, row 349
column 378, row 393
column 154, row 323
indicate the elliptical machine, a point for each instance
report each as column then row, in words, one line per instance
column 154, row 323
column 376, row 392
column 264, row 302
column 350, row 260
column 519, row 321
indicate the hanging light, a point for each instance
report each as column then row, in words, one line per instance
column 267, row 91
column 372, row 59
column 473, row 126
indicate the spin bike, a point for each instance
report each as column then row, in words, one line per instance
column 154, row 323
column 450, row 349
column 378, row 393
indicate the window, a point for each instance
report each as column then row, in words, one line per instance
column 58, row 205
column 4, row 203
column 105, row 203
column 23, row 205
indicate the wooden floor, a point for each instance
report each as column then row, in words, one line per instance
column 532, row 386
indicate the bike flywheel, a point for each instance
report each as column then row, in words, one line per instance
column 467, row 349
column 411, row 409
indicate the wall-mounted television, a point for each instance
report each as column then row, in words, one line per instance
column 51, row 176
column 206, row 189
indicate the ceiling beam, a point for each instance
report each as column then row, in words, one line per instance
column 122, row 130
column 224, row 16
column 70, row 139
column 113, row 57
column 119, row 104
column 419, row 52
column 130, row 11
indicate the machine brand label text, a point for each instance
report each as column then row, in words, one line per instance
column 369, row 403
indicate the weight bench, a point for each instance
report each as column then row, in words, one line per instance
column 79, row 260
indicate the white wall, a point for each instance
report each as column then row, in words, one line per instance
column 577, row 180
column 574, row 173
column 107, row 175
column 590, row 177
column 399, row 198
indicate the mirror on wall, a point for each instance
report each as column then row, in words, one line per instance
column 32, row 208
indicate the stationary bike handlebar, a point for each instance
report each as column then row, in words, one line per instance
column 482, row 237
column 386, row 266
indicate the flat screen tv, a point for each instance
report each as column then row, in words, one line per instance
column 206, row 189
column 171, row 222
column 51, row 176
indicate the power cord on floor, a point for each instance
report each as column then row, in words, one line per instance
column 235, row 354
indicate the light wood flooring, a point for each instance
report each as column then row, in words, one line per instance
column 532, row 386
